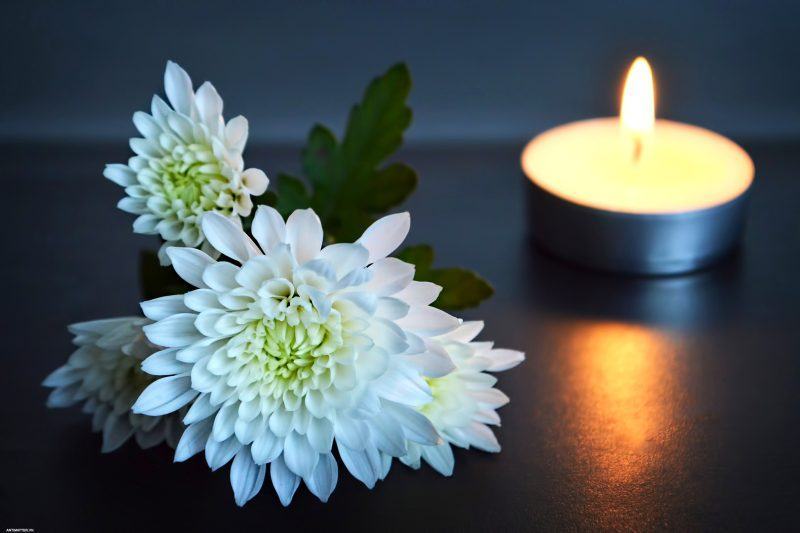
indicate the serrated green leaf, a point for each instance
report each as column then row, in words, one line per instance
column 421, row 256
column 348, row 188
column 461, row 288
column 156, row 280
column 376, row 124
column 290, row 194
column 317, row 154
column 348, row 225
column 389, row 186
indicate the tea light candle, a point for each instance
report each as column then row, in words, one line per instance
column 635, row 194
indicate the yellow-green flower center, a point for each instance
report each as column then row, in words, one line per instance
column 288, row 357
column 191, row 174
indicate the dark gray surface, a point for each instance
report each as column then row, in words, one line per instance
column 669, row 403
column 482, row 70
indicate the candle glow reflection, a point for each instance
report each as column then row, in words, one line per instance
column 621, row 389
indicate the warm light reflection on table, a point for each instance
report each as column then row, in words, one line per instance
column 620, row 388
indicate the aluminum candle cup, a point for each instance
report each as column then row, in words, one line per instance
column 646, row 224
column 635, row 194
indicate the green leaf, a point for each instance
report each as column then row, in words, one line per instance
column 421, row 256
column 347, row 225
column 290, row 194
column 389, row 187
column 349, row 188
column 348, row 185
column 156, row 280
column 461, row 288
column 376, row 124
column 317, row 154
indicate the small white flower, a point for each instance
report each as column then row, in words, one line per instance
column 188, row 162
column 105, row 372
column 464, row 401
column 298, row 348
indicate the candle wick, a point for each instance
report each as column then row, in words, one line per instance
column 637, row 149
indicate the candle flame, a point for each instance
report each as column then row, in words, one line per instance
column 637, row 112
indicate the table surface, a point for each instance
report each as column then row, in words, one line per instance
column 660, row 403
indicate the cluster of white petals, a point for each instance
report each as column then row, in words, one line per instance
column 464, row 401
column 105, row 372
column 188, row 162
column 295, row 348
column 288, row 357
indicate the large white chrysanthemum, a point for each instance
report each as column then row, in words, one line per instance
column 105, row 373
column 295, row 347
column 464, row 401
column 188, row 162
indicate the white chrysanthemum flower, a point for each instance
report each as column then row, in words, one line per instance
column 464, row 401
column 299, row 347
column 105, row 373
column 188, row 162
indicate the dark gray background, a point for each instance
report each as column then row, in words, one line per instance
column 483, row 70
column 644, row 404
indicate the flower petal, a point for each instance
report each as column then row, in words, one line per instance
column 304, row 234
column 481, row 437
column 120, row 174
column 146, row 224
column 164, row 363
column 219, row 453
column 178, row 87
column 440, row 458
column 429, row 320
column 419, row 293
column 63, row 376
column 345, row 257
column 209, row 105
column 284, row 481
column 116, row 430
column 465, row 332
column 323, row 480
column 503, row 359
column 236, row 131
column 174, row 331
column 388, row 435
column 189, row 264
column 146, row 125
column 268, row 228
column 201, row 409
column 134, row 206
column 221, row 276
column 359, row 464
column 193, row 440
column 247, row 477
column 227, row 237
column 434, row 362
column 165, row 306
column 224, row 422
column 298, row 455
column 255, row 272
column 165, row 395
column 201, row 299
column 389, row 276
column 255, row 181
column 266, row 447
column 416, row 426
column 351, row 432
column 320, row 434
column 385, row 235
